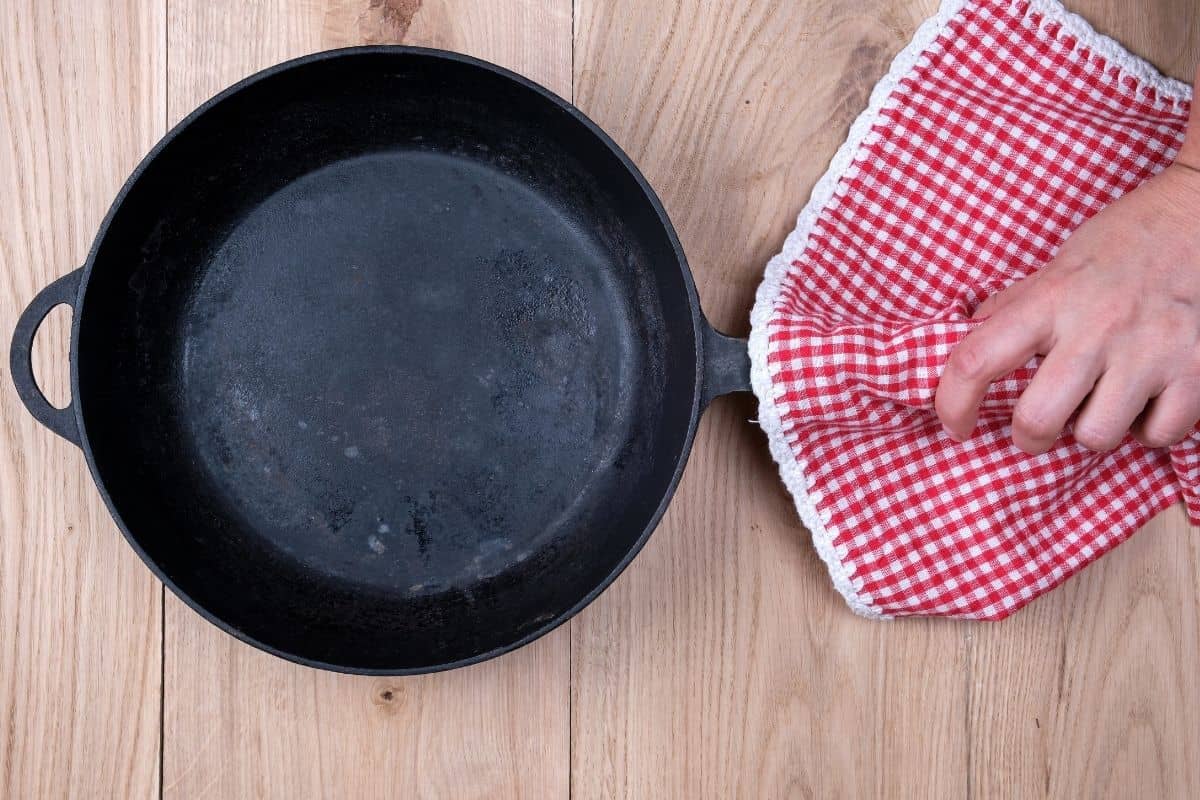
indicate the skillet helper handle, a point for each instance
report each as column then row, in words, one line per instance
column 20, row 356
column 726, row 364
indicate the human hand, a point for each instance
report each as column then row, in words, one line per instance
column 1116, row 315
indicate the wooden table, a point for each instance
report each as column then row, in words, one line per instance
column 721, row 664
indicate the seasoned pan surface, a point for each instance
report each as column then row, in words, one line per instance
column 388, row 360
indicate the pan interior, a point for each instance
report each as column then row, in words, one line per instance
column 409, row 370
column 386, row 361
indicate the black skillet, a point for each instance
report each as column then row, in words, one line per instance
column 385, row 360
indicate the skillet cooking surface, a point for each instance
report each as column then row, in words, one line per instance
column 389, row 360
column 448, row 383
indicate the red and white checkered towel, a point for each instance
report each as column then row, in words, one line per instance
column 1002, row 127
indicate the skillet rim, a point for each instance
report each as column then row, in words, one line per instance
column 699, row 325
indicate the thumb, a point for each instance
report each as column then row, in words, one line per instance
column 985, row 309
column 997, row 300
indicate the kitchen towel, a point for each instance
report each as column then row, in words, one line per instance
column 997, row 131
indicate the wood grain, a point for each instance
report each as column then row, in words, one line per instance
column 721, row 664
column 243, row 724
column 79, row 614
column 1092, row 691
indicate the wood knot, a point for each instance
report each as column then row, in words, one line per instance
column 388, row 697
column 387, row 21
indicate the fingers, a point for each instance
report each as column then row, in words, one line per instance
column 1170, row 417
column 1061, row 383
column 998, row 346
column 989, row 305
column 1110, row 411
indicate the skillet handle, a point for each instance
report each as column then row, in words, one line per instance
column 726, row 365
column 20, row 356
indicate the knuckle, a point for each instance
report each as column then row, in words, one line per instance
column 1097, row 437
column 1174, row 320
column 1065, row 267
column 1033, row 422
column 1114, row 319
column 1162, row 435
column 1160, row 339
column 969, row 360
column 1050, row 281
column 1072, row 260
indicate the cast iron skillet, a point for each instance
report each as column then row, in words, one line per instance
column 385, row 360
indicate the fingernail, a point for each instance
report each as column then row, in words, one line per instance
column 953, row 435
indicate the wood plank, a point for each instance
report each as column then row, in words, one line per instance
column 83, row 99
column 239, row 723
column 1090, row 692
column 723, row 664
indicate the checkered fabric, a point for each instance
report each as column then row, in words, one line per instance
column 1004, row 126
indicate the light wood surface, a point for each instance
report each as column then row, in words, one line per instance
column 721, row 664
column 80, row 638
